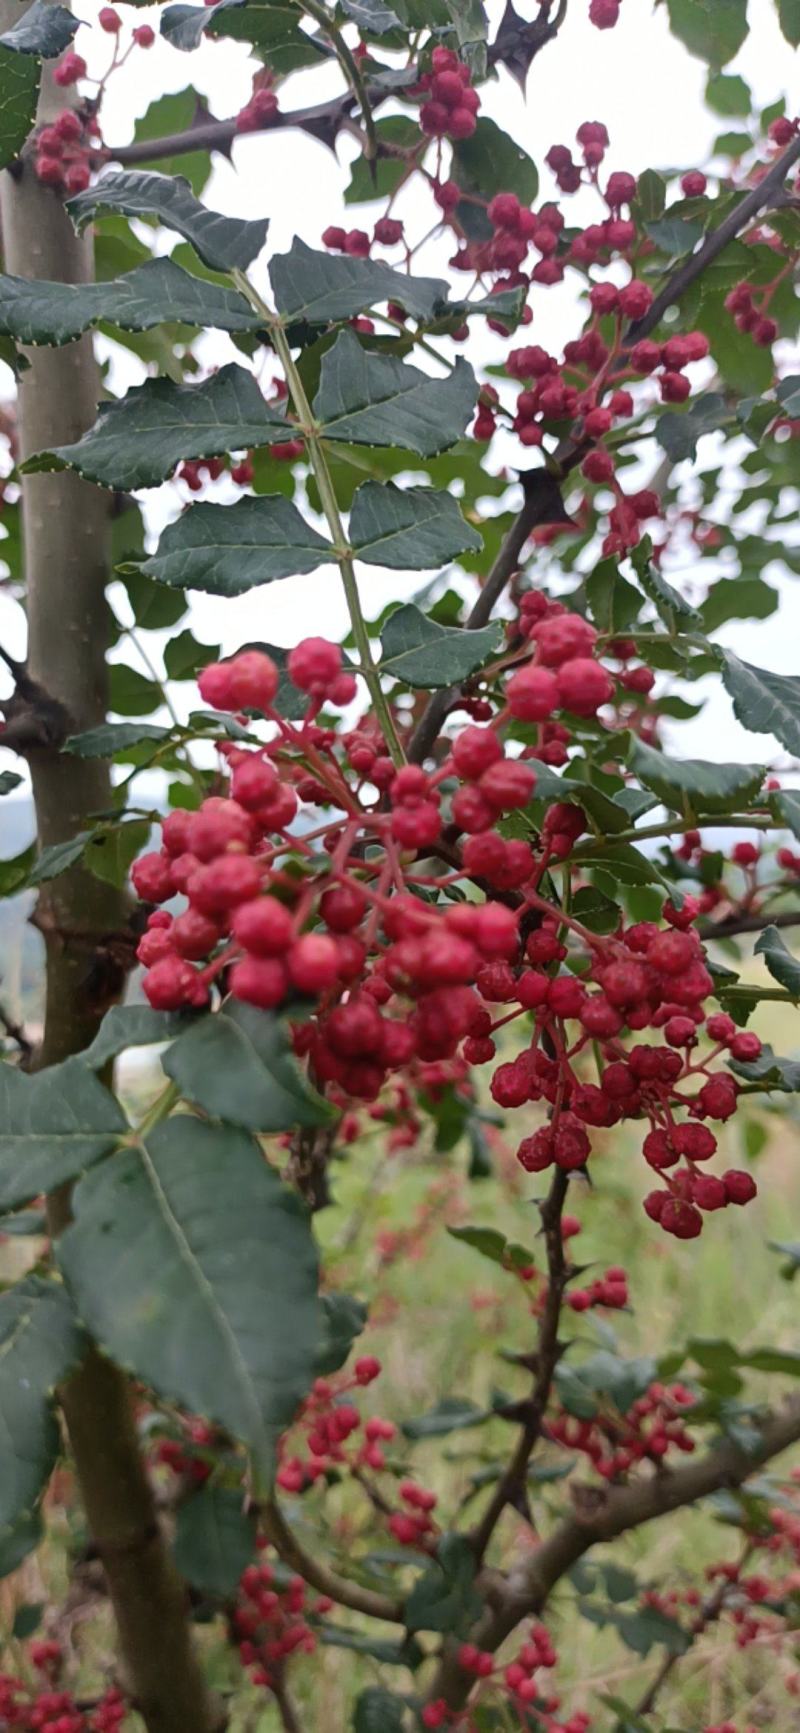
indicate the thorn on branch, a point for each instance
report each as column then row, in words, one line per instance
column 33, row 720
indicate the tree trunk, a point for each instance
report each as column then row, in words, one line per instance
column 66, row 535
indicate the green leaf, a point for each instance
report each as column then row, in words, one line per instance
column 770, row 1071
column 223, row 243
column 40, row 1342
column 595, row 910
column 43, row 30
column 238, row 1066
column 153, row 607
column 25, row 1534
column 184, row 656
column 667, row 601
column 675, row 235
column 9, row 780
column 379, row 1711
column 727, row 93
column 408, row 528
column 640, row 1631
column 19, row 93
column 227, row 549
column 110, row 854
column 343, row 1318
column 489, row 158
column 492, row 1244
column 737, row 599
column 784, row 805
column 414, row 649
column 789, row 16
column 177, row 111
column 273, row 29
column 131, row 693
column 396, row 129
column 692, row 782
column 156, row 293
column 53, row 1124
column 787, row 392
column 215, row 1540
column 16, row 872
column 714, row 30
column 112, row 737
column 452, row 1414
column 27, row 1619
column 782, row 966
column 373, row 17
column 651, row 195
column 614, row 603
column 445, row 1598
column 764, row 703
column 58, row 857
column 320, row 288
column 370, row 399
column 138, row 440
column 193, row 1265
column 127, row 1026
column 678, row 435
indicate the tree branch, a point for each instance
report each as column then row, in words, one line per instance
column 320, row 1575
column 736, row 924
column 512, row 1484
column 620, row 1509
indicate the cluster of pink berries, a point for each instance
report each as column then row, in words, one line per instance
column 64, row 151
column 616, row 1443
column 262, row 107
column 519, row 1681
column 450, row 101
column 270, row 1622
column 46, row 1709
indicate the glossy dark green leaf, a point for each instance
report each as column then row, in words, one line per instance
column 9, row 780
column 223, row 243
column 678, row 435
column 127, row 1026
column 770, row 1071
column 445, row 1598
column 414, row 649
column 215, row 1540
column 366, row 398
column 40, row 1341
column 193, row 1266
column 490, row 158
column 379, row 1711
column 155, row 293
column 227, row 549
column 43, row 30
column 53, row 1124
column 19, row 93
column 614, row 603
column 109, row 854
column 714, row 30
column 409, row 528
column 675, row 235
column 176, row 112
column 763, row 702
column 783, row 967
column 139, row 439
column 784, row 805
column 15, row 873
column 272, row 28
column 321, row 288
column 184, row 656
column 57, row 858
column 238, row 1066
column 343, row 1319
column 396, row 129
column 111, row 737
column 667, row 601
column 706, row 787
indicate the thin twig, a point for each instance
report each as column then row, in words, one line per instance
column 709, row 1612
column 320, row 1575
column 736, row 924
column 287, row 1710
column 511, row 1485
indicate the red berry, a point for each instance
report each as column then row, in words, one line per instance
column 261, row 981
column 313, row 963
column 740, row 1187
column 263, row 926
column 109, row 20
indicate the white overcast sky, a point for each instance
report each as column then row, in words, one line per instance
column 649, row 93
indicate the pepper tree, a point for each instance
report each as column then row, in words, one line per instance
column 451, row 872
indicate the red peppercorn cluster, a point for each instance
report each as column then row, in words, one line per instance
column 270, row 1622
column 610, row 1290
column 450, row 102
column 519, row 1681
column 45, row 1708
column 262, row 106
column 325, row 1423
column 64, row 151
column 616, row 1443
